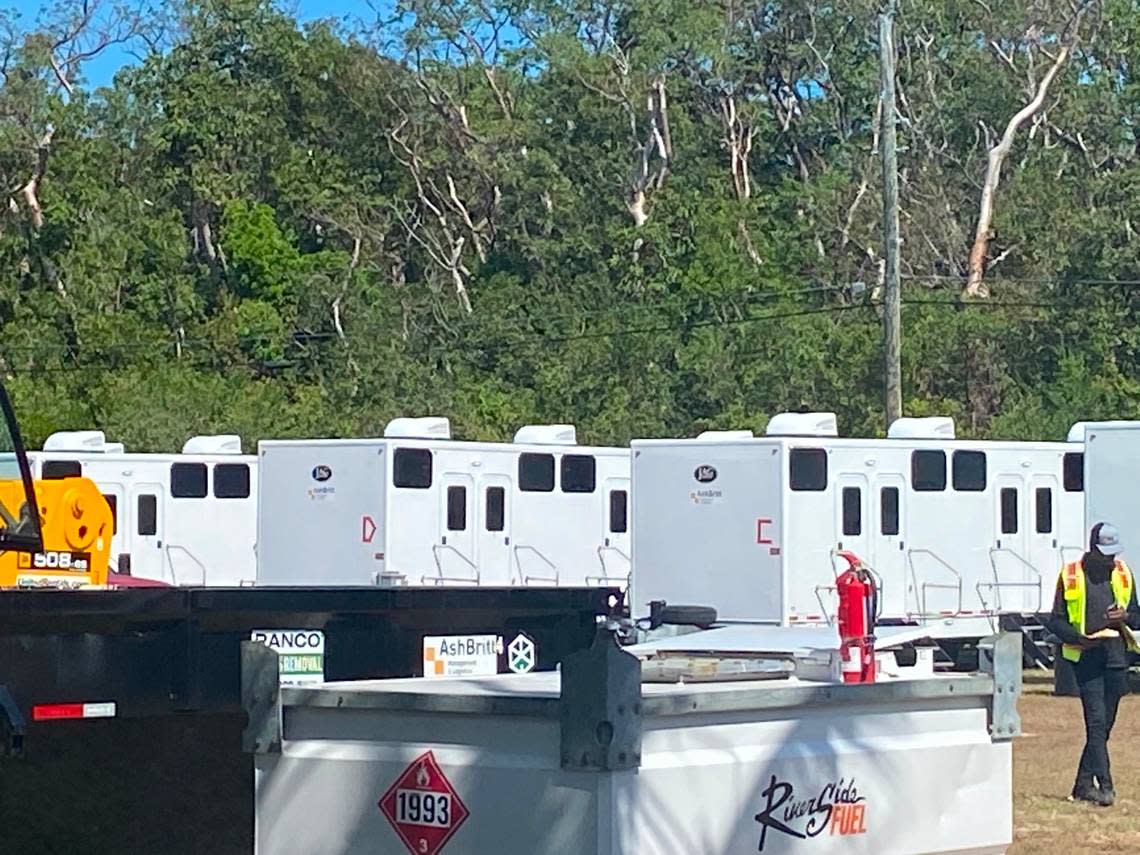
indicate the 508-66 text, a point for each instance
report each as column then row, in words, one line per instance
column 79, row 562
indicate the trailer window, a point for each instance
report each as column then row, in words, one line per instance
column 411, row 467
column 619, row 511
column 1044, row 501
column 496, row 511
column 578, row 473
column 113, row 504
column 54, row 470
column 1009, row 510
column 457, row 509
column 807, row 469
column 889, row 510
column 928, row 471
column 969, row 471
column 147, row 514
column 188, row 480
column 1073, row 467
column 852, row 511
column 536, row 473
column 231, row 481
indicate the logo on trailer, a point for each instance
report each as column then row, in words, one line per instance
column 521, row 654
column 423, row 807
column 837, row 809
column 705, row 474
column 322, row 473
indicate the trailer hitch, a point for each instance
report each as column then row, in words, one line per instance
column 13, row 725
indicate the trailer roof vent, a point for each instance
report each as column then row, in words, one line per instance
column 1077, row 432
column 929, row 427
column 721, row 435
column 92, row 441
column 114, row 448
column 225, row 443
column 427, row 427
column 803, row 424
column 547, row 435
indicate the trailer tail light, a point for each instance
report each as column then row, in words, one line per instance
column 54, row 712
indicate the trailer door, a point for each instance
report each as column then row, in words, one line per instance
column 147, row 534
column 614, row 553
column 455, row 551
column 1044, row 540
column 1012, row 570
column 493, row 553
column 888, row 553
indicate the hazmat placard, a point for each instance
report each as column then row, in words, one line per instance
column 301, row 654
column 461, row 655
column 423, row 807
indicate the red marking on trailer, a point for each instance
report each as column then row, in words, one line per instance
column 56, row 712
column 367, row 529
column 760, row 538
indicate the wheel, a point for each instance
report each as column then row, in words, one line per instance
column 702, row 616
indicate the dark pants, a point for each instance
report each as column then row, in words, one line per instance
column 1101, row 691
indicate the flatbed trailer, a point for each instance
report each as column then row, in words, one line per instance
column 604, row 759
column 121, row 711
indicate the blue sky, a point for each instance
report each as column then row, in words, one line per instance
column 99, row 71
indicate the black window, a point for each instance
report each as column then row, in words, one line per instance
column 1044, row 499
column 411, row 467
column 113, row 504
column 969, row 471
column 889, row 510
column 928, row 471
column 231, row 481
column 1009, row 510
column 457, row 509
column 619, row 512
column 496, row 511
column 148, row 514
column 1074, row 471
column 852, row 511
column 536, row 473
column 188, row 480
column 807, row 469
column 54, row 470
column 578, row 473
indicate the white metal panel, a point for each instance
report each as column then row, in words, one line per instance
column 708, row 527
column 1112, row 484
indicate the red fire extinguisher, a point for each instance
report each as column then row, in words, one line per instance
column 858, row 607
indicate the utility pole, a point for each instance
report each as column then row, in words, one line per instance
column 889, row 154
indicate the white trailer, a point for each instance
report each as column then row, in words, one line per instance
column 1112, row 481
column 419, row 508
column 752, row 525
column 615, row 755
column 181, row 519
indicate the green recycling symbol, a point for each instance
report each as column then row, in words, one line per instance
column 520, row 654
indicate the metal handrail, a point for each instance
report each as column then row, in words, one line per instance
column 167, row 547
column 910, row 553
column 606, row 577
column 526, row 580
column 436, row 548
column 997, row 584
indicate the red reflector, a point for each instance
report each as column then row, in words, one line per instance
column 52, row 712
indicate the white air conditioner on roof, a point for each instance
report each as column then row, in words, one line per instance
column 77, row 440
column 226, row 443
column 546, row 435
column 803, row 424
column 426, row 427
column 928, row 427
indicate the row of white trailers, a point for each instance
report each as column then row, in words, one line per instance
column 752, row 526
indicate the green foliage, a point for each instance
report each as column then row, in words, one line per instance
column 273, row 230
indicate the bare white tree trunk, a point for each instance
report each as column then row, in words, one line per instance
column 975, row 285
column 646, row 181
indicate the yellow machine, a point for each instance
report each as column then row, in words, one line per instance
column 67, row 543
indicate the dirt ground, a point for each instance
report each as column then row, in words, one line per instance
column 1044, row 763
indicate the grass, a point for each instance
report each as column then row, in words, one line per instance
column 1044, row 763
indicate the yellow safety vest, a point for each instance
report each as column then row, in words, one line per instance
column 1073, row 580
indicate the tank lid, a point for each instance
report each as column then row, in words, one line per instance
column 927, row 427
column 547, row 435
column 90, row 441
column 425, row 427
column 225, row 443
column 803, row 424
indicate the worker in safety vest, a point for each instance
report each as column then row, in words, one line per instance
column 1093, row 612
